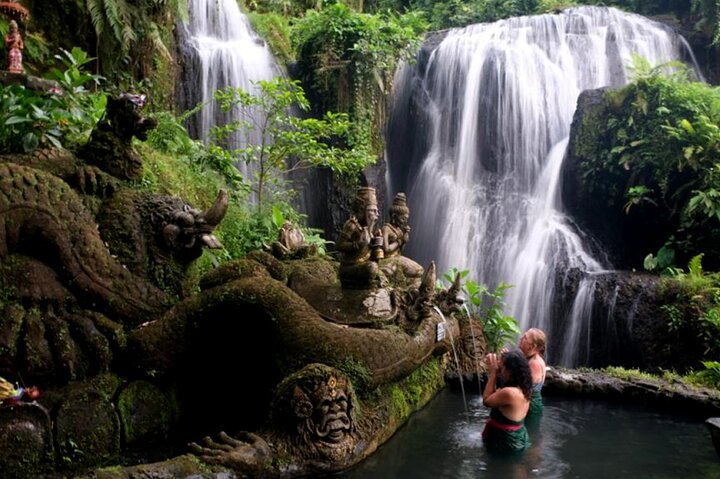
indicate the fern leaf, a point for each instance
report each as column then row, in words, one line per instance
column 156, row 41
column 97, row 15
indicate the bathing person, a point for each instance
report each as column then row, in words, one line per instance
column 505, row 429
column 532, row 344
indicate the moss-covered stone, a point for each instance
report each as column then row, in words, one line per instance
column 145, row 414
column 87, row 428
column 26, row 443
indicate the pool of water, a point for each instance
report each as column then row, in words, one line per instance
column 574, row 439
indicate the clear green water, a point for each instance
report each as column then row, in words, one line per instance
column 585, row 439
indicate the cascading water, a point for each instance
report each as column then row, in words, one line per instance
column 477, row 136
column 223, row 51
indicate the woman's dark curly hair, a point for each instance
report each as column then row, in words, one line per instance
column 519, row 371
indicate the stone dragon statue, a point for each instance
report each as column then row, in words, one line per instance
column 96, row 310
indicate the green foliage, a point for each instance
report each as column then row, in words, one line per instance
column 285, row 8
column 695, row 308
column 664, row 259
column 707, row 18
column 289, row 142
column 177, row 165
column 659, row 147
column 62, row 118
column 131, row 33
column 346, row 61
column 709, row 376
column 170, row 136
column 627, row 374
column 275, row 29
column 488, row 306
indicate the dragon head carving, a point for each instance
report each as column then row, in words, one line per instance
column 189, row 230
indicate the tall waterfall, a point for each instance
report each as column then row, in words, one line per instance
column 222, row 50
column 477, row 137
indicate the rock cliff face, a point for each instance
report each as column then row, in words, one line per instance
column 597, row 207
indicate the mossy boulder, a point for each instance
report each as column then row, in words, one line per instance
column 87, row 429
column 26, row 443
column 146, row 413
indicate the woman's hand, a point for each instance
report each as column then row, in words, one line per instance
column 493, row 363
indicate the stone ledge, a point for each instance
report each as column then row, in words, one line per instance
column 660, row 393
column 28, row 81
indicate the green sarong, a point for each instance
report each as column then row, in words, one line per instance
column 536, row 404
column 501, row 435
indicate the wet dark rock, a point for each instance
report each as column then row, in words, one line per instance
column 713, row 424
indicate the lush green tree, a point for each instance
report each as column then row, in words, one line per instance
column 288, row 142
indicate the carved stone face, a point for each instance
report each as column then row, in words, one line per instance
column 321, row 403
column 400, row 219
column 371, row 214
column 330, row 418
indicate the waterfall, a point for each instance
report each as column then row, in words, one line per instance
column 221, row 50
column 477, row 136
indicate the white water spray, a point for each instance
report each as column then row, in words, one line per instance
column 498, row 100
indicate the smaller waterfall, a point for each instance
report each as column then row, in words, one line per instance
column 224, row 51
column 579, row 326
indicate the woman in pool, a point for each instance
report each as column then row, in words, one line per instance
column 505, row 429
column 532, row 344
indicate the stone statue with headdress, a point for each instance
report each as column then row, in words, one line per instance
column 396, row 234
column 360, row 243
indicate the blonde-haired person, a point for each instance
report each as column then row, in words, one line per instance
column 532, row 344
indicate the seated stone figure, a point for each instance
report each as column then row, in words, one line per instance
column 396, row 234
column 359, row 241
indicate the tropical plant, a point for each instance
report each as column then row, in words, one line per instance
column 664, row 259
column 694, row 307
column 658, row 153
column 62, row 118
column 288, row 142
column 487, row 305
column 709, row 375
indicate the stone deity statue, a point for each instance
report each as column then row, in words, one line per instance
column 15, row 45
column 396, row 234
column 360, row 243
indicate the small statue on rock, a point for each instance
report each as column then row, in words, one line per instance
column 291, row 243
column 360, row 243
column 14, row 44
